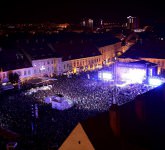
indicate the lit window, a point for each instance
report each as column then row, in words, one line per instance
column 34, row 71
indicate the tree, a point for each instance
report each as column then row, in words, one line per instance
column 16, row 77
column 11, row 77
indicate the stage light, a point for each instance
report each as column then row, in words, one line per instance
column 122, row 85
column 106, row 76
column 133, row 75
column 155, row 81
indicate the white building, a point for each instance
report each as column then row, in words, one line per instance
column 42, row 58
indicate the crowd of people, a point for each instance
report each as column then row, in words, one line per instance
column 49, row 127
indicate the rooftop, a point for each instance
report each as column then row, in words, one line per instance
column 146, row 49
column 11, row 58
column 140, row 124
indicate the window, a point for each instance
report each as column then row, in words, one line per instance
column 161, row 62
column 48, row 62
column 29, row 72
column 25, row 73
column 19, row 73
column 35, row 71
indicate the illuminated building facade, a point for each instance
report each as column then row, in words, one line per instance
column 41, row 58
column 87, row 23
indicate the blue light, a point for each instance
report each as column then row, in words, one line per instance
column 155, row 81
column 105, row 76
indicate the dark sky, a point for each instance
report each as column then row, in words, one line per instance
column 62, row 10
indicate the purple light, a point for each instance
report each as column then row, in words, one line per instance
column 122, row 85
column 133, row 75
column 105, row 76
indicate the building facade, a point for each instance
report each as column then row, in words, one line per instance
column 59, row 58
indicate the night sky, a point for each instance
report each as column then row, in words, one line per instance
column 62, row 10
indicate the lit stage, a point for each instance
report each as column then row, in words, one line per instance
column 131, row 73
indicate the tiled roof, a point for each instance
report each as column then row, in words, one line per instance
column 12, row 58
column 143, row 63
column 16, row 51
column 38, row 49
column 140, row 124
column 70, row 51
column 146, row 49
